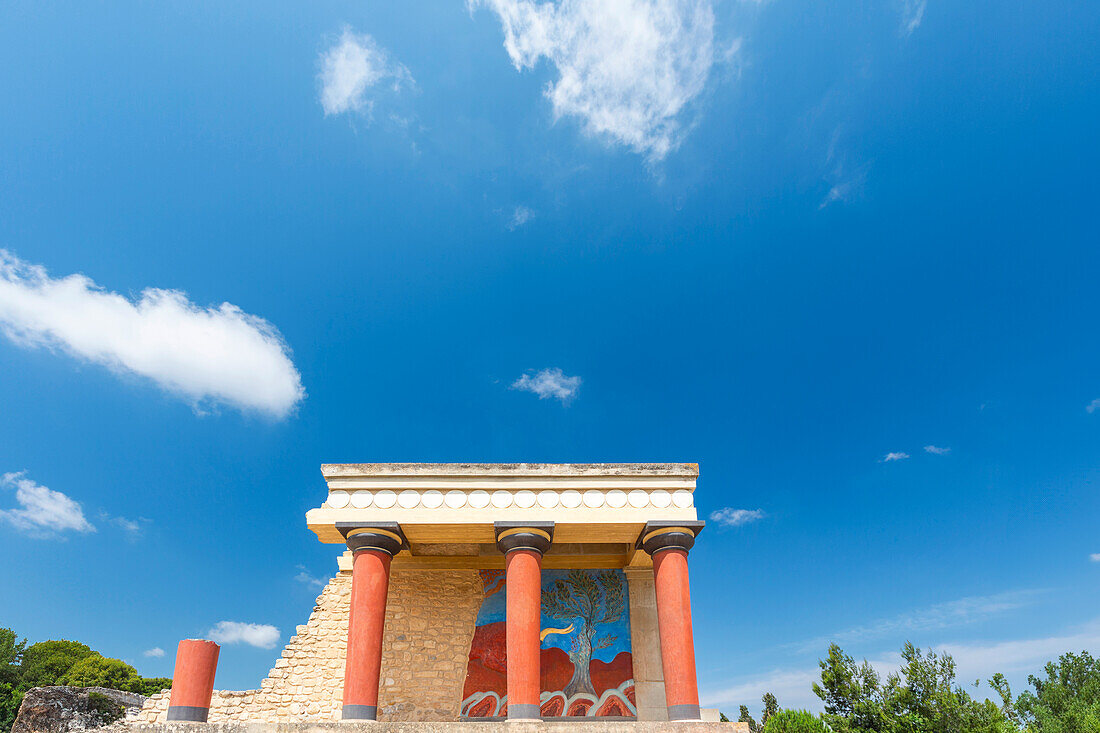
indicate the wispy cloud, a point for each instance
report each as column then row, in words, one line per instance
column 950, row 614
column 730, row 517
column 133, row 528
column 42, row 512
column 912, row 13
column 1094, row 557
column 936, row 450
column 975, row 661
column 352, row 67
column 262, row 636
column 154, row 653
column 549, row 383
column 791, row 687
column 213, row 355
column 1093, row 406
column 520, row 216
column 627, row 70
column 305, row 578
column 894, row 456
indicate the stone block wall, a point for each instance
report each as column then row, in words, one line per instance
column 430, row 619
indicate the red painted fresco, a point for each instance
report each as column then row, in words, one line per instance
column 608, row 675
column 607, row 689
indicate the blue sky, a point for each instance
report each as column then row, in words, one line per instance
column 782, row 239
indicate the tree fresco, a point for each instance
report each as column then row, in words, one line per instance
column 592, row 598
column 585, row 663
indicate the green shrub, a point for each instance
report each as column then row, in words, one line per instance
column 97, row 671
column 46, row 662
column 105, row 709
column 795, row 721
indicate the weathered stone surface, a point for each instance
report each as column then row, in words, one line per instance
column 598, row 726
column 61, row 709
column 424, row 653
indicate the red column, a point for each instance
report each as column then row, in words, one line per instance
column 370, row 578
column 524, row 597
column 670, row 572
column 193, row 680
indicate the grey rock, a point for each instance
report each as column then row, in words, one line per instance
column 63, row 709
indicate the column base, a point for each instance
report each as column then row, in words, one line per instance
column 524, row 713
column 359, row 713
column 187, row 714
column 684, row 714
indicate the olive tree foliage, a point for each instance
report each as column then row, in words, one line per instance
column 589, row 599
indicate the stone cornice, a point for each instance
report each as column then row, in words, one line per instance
column 345, row 470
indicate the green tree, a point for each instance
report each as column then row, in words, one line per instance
column 921, row 697
column 745, row 717
column 795, row 721
column 46, row 662
column 852, row 693
column 153, row 685
column 771, row 707
column 98, row 671
column 1067, row 700
column 11, row 654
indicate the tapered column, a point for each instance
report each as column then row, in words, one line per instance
column 523, row 545
column 669, row 545
column 372, row 549
column 193, row 680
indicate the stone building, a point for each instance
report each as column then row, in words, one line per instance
column 488, row 591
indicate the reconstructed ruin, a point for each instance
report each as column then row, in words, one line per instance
column 517, row 592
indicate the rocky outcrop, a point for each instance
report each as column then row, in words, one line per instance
column 63, row 709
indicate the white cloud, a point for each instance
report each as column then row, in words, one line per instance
column 351, row 67
column 959, row 612
column 981, row 661
column 305, row 578
column 936, row 450
column 894, row 456
column 791, row 687
column 43, row 512
column 207, row 355
column 1094, row 557
column 627, row 69
column 263, row 636
column 974, row 661
column 549, row 383
column 156, row 652
column 1093, row 406
column 520, row 216
column 912, row 13
column 730, row 517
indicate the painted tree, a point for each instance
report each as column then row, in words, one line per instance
column 588, row 599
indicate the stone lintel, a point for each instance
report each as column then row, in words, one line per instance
column 333, row 470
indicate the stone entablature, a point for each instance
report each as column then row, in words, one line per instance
column 459, row 502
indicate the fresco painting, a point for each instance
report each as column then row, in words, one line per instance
column 586, row 667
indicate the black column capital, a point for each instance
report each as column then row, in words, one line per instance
column 667, row 534
column 523, row 536
column 385, row 537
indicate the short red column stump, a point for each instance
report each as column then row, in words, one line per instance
column 193, row 680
